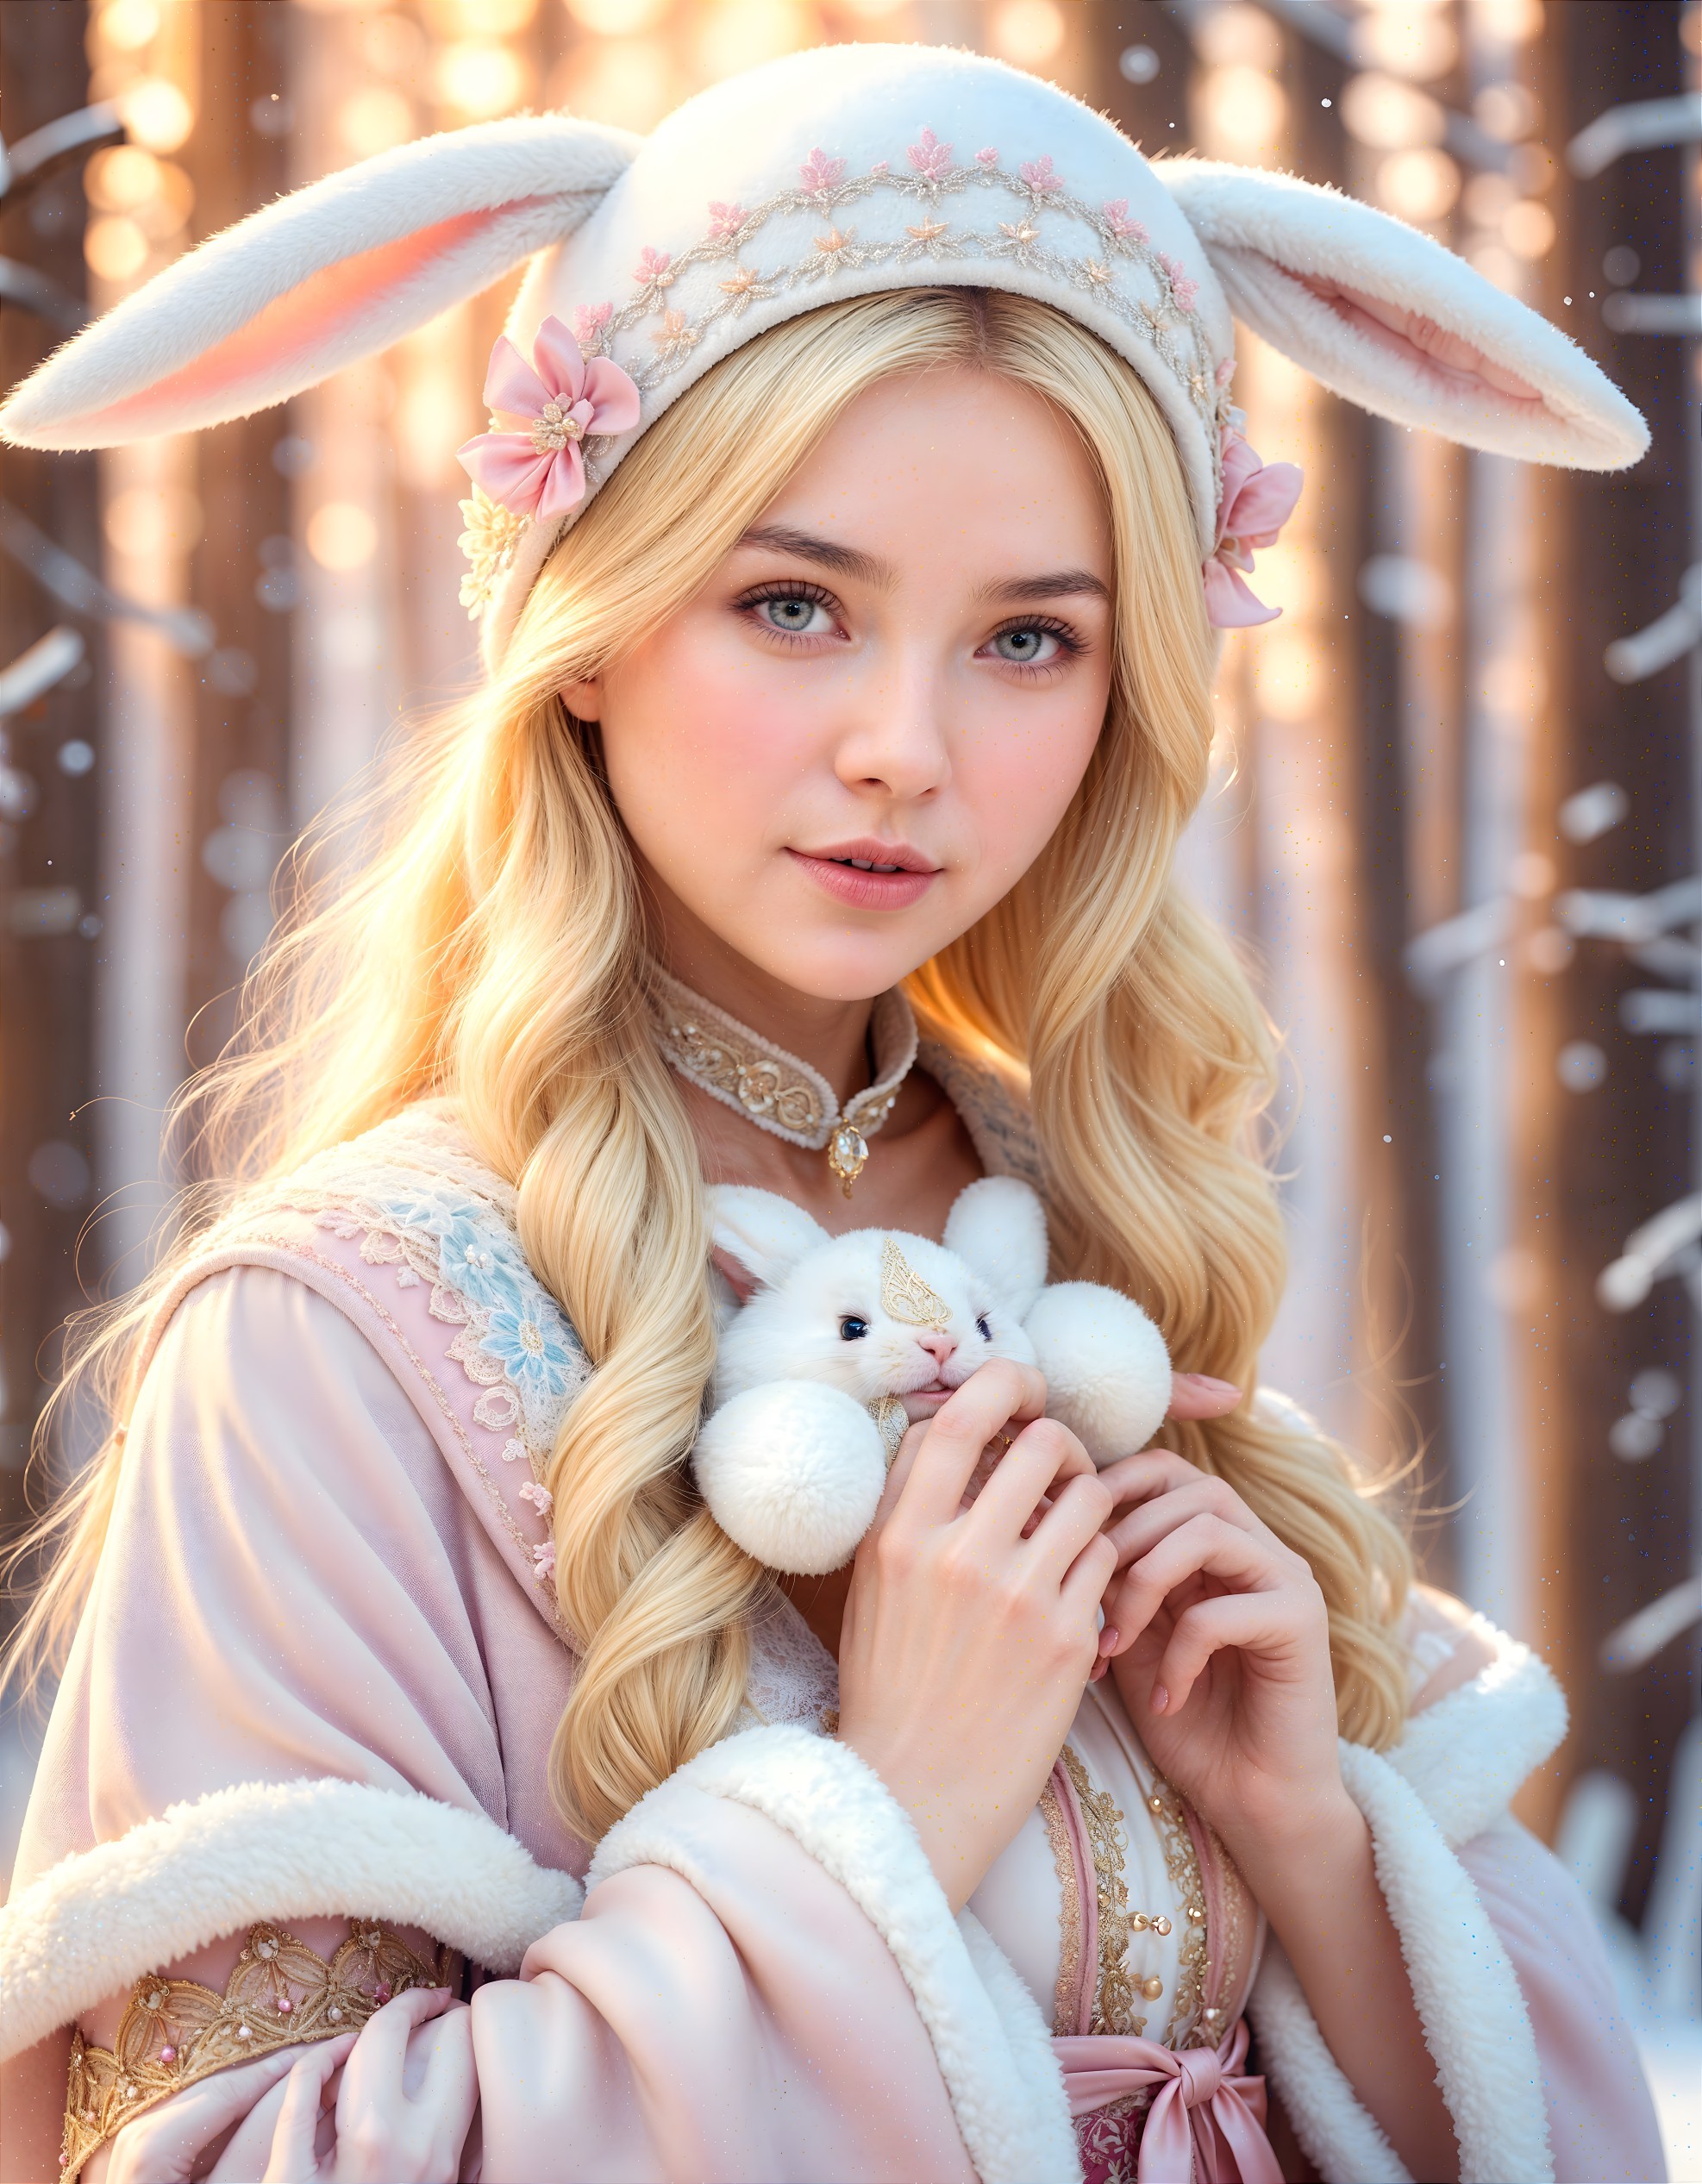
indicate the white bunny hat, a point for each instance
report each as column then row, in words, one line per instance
column 833, row 172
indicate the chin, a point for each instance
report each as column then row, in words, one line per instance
column 838, row 965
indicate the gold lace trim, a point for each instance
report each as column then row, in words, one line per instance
column 1114, row 1990
column 1188, row 1886
column 1065, row 2000
column 175, row 2032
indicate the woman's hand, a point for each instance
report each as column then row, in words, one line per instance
column 970, row 1630
column 391, row 2105
column 1222, row 1656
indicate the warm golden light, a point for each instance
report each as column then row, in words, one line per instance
column 1407, row 39
column 1028, row 32
column 1241, row 108
column 125, row 25
column 481, row 80
column 477, row 18
column 733, row 34
column 374, row 120
column 156, row 114
column 1389, row 114
column 1419, row 185
column 1529, row 230
column 341, row 535
column 120, row 180
column 114, row 247
column 617, row 18
column 1238, row 36
column 148, row 521
column 627, row 81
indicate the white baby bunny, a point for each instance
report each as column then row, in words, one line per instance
column 844, row 1339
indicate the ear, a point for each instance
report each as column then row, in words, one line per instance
column 318, row 280
column 1395, row 324
column 765, row 1235
column 997, row 1226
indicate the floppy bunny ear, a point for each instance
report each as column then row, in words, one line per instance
column 1395, row 324
column 324, row 276
column 760, row 1232
column 998, row 1227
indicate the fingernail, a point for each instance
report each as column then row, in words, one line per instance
column 1216, row 1387
column 1097, row 1671
column 1108, row 1638
column 1160, row 1699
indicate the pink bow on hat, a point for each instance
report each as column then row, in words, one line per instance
column 1258, row 499
column 541, row 472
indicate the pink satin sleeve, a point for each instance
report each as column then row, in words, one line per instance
column 1602, row 2125
column 745, row 2024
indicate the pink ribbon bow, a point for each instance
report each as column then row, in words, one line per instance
column 1258, row 499
column 1206, row 2123
column 541, row 472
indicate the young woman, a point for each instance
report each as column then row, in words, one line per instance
column 433, row 1790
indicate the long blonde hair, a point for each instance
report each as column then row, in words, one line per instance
column 489, row 946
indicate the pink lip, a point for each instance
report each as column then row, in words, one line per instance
column 870, row 890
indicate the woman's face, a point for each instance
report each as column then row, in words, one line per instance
column 903, row 665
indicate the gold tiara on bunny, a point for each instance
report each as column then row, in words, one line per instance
column 837, row 172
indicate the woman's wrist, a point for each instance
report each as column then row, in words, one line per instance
column 1294, row 1863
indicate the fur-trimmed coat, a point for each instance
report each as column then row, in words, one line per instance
column 320, row 1671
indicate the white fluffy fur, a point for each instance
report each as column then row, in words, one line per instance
column 989, row 2037
column 796, row 1480
column 266, row 1850
column 796, row 1466
column 540, row 175
column 1261, row 230
column 1449, row 1777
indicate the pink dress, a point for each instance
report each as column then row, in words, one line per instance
column 319, row 1674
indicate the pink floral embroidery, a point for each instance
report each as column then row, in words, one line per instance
column 1226, row 372
column 541, row 472
column 1183, row 287
column 820, row 172
column 725, row 219
column 652, row 269
column 931, row 158
column 544, row 1558
column 987, row 156
column 1118, row 223
column 1041, row 177
column 590, row 321
column 539, row 1497
column 881, row 166
column 1258, row 499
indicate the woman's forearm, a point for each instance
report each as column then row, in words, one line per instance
column 1319, row 1890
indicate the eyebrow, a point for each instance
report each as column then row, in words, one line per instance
column 868, row 568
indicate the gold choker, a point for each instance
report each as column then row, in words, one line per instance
column 777, row 1091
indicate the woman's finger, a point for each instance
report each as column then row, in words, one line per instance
column 374, row 2068
column 249, row 2151
column 295, row 2154
column 994, row 1397
column 163, row 2146
column 1254, row 1622
column 1197, row 1395
column 1076, row 1516
column 1138, row 1532
column 1137, row 1479
column 1203, row 1546
column 1043, row 1460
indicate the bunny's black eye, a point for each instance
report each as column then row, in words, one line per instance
column 853, row 1330
column 983, row 1329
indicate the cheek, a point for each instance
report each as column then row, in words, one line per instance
column 701, row 750
column 1018, row 778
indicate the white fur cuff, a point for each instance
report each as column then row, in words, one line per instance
column 99, row 1920
column 989, row 2038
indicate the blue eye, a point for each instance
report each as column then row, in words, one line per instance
column 983, row 1329
column 853, row 1330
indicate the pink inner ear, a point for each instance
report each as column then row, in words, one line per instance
column 744, row 1282
column 1449, row 356
column 297, row 327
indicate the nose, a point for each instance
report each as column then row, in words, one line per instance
column 941, row 1348
column 897, row 745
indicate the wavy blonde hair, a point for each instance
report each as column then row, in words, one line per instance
column 490, row 945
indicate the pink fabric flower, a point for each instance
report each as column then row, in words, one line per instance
column 931, row 158
column 987, row 156
column 652, row 266
column 1183, row 287
column 819, row 172
column 1117, row 221
column 725, row 219
column 1041, row 177
column 541, row 472
column 590, row 321
column 1258, row 499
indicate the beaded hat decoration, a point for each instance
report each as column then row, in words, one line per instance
column 837, row 172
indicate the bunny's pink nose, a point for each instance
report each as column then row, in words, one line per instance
column 939, row 1348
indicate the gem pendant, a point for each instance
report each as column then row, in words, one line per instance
column 847, row 1155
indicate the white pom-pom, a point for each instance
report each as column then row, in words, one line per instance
column 792, row 1471
column 1107, row 1370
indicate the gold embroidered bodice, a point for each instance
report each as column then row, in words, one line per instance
column 175, row 2032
